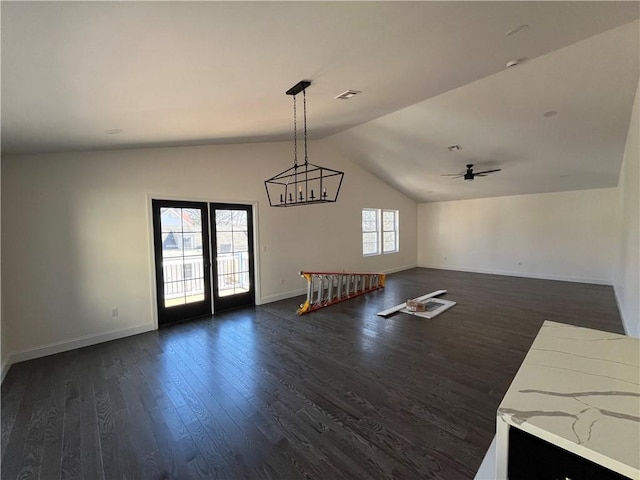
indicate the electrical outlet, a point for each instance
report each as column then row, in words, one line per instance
column 114, row 312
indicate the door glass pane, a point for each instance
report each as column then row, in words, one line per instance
column 245, row 284
column 232, row 256
column 243, row 259
column 240, row 218
column 240, row 242
column 171, row 220
column 192, row 219
column 223, row 220
column 171, row 244
column 182, row 254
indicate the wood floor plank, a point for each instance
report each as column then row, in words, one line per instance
column 172, row 463
column 261, row 393
column 106, row 432
column 54, row 430
column 15, row 455
column 12, row 394
column 71, row 465
column 33, row 449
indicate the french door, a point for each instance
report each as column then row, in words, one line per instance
column 182, row 244
column 232, row 244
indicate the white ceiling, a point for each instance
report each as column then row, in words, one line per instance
column 186, row 73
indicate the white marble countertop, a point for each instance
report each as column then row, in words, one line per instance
column 580, row 389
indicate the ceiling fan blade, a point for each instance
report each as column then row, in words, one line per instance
column 452, row 174
column 488, row 171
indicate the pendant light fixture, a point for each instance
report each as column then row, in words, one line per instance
column 304, row 183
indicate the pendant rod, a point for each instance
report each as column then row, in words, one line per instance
column 304, row 101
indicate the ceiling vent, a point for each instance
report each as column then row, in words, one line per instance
column 454, row 148
column 347, row 95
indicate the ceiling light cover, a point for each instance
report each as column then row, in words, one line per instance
column 303, row 184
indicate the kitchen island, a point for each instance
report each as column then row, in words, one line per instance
column 573, row 408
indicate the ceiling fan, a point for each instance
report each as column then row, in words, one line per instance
column 469, row 174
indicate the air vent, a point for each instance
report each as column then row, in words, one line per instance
column 347, row 95
column 454, row 148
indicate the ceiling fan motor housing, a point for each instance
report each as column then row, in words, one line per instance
column 468, row 176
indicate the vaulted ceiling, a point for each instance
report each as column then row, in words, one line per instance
column 431, row 74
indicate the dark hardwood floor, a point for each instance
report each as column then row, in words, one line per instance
column 261, row 393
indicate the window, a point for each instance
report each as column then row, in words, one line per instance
column 370, row 231
column 389, row 231
column 379, row 231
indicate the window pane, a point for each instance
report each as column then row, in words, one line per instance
column 368, row 215
column 389, row 242
column 388, row 221
column 370, row 237
column 369, row 226
column 369, row 243
column 369, row 249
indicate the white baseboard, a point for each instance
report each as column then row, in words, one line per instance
column 625, row 325
column 562, row 278
column 620, row 310
column 5, row 368
column 399, row 269
column 283, row 296
column 79, row 342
